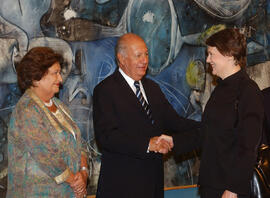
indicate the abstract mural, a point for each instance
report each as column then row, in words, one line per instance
column 85, row 33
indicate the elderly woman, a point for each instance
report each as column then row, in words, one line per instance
column 233, row 118
column 45, row 155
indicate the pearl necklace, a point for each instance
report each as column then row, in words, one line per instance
column 48, row 104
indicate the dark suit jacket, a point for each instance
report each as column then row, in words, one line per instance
column 123, row 131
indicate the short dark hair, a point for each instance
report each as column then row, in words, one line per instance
column 230, row 42
column 35, row 64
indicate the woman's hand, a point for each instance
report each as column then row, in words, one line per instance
column 85, row 176
column 229, row 194
column 78, row 183
column 79, row 186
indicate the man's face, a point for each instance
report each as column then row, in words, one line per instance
column 134, row 61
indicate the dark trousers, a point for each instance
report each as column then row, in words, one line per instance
column 215, row 193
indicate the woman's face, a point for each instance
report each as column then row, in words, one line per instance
column 219, row 63
column 49, row 84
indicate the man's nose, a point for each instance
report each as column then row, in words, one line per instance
column 145, row 59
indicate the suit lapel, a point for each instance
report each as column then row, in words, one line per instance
column 125, row 90
column 148, row 91
column 127, row 93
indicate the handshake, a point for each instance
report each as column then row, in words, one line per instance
column 162, row 144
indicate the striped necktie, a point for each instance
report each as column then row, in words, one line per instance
column 143, row 101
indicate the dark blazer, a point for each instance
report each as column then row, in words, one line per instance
column 233, row 119
column 123, row 130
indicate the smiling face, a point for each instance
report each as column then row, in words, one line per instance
column 49, row 84
column 220, row 64
column 133, row 60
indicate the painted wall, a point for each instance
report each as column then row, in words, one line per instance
column 85, row 32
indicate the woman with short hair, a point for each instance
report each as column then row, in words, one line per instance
column 232, row 121
column 45, row 154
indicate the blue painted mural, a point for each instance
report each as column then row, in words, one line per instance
column 85, row 32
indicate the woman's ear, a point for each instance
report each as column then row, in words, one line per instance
column 235, row 61
column 35, row 83
column 232, row 60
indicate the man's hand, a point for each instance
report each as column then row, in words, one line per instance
column 167, row 138
column 160, row 145
column 229, row 194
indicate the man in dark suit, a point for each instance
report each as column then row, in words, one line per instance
column 127, row 131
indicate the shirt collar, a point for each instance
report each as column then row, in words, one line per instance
column 129, row 80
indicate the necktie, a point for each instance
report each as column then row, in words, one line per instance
column 143, row 101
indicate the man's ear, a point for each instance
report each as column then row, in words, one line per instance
column 120, row 58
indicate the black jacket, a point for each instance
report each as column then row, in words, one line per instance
column 266, row 98
column 232, row 121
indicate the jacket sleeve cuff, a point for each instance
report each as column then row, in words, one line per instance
column 62, row 177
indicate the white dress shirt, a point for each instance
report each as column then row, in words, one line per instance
column 130, row 82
